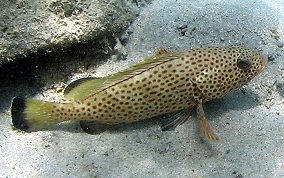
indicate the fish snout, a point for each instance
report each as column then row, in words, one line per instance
column 263, row 65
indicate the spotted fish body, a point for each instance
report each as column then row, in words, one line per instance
column 167, row 83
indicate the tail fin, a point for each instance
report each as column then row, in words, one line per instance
column 32, row 115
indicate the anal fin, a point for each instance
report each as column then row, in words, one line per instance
column 172, row 120
column 94, row 127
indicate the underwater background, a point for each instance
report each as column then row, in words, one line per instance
column 249, row 122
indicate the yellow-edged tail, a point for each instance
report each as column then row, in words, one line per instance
column 32, row 115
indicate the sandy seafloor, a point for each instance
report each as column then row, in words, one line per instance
column 249, row 122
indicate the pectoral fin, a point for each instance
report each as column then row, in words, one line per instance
column 204, row 125
column 172, row 120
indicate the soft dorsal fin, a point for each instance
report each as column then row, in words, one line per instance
column 82, row 89
column 76, row 83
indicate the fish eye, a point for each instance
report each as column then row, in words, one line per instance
column 244, row 63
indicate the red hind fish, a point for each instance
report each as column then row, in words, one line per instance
column 169, row 83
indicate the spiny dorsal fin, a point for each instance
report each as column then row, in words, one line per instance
column 160, row 52
column 96, row 85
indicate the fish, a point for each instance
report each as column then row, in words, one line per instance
column 170, row 85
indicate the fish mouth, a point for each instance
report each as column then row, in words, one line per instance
column 264, row 62
column 263, row 65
